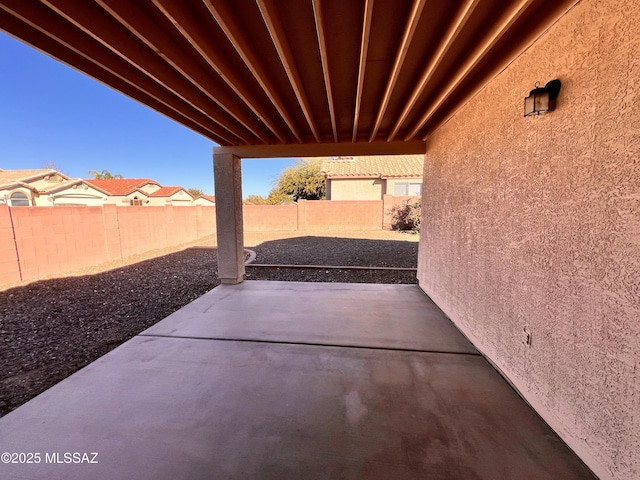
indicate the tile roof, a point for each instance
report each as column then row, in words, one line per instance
column 166, row 191
column 12, row 176
column 120, row 186
column 375, row 166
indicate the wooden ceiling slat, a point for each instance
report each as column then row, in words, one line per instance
column 251, row 72
column 407, row 36
column 445, row 45
column 234, row 32
column 197, row 37
column 16, row 27
column 512, row 15
column 364, row 49
column 276, row 30
column 148, row 32
column 324, row 56
column 96, row 23
column 61, row 32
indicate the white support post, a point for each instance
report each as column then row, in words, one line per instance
column 228, row 182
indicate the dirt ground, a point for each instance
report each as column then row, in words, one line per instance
column 53, row 327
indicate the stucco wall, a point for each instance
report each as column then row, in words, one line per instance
column 36, row 242
column 352, row 189
column 535, row 223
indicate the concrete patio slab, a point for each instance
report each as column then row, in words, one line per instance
column 178, row 407
column 348, row 314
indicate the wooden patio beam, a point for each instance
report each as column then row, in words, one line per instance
column 276, row 30
column 138, row 23
column 197, row 37
column 446, row 43
column 513, row 14
column 76, row 49
column 364, row 49
column 99, row 26
column 412, row 147
column 238, row 39
column 324, row 57
column 407, row 36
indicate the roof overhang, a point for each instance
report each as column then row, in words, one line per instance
column 267, row 78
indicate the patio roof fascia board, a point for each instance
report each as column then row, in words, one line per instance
column 413, row 147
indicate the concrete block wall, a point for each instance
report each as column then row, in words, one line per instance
column 270, row 218
column 36, row 242
column 340, row 216
column 52, row 240
column 9, row 266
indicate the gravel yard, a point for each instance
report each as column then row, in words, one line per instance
column 53, row 327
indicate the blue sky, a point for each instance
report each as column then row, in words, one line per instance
column 50, row 113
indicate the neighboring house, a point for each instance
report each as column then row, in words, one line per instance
column 176, row 196
column 206, row 200
column 372, row 177
column 46, row 187
column 127, row 191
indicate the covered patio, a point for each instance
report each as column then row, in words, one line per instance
column 276, row 380
column 529, row 238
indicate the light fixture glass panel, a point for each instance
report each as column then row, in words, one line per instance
column 542, row 102
column 528, row 105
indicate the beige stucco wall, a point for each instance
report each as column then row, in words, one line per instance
column 158, row 201
column 178, row 199
column 81, row 194
column 351, row 189
column 150, row 187
column 51, row 181
column 535, row 223
column 125, row 200
column 204, row 202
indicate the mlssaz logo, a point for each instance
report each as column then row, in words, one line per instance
column 71, row 457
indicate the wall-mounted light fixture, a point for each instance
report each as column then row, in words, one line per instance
column 542, row 100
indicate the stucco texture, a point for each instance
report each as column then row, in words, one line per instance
column 355, row 189
column 534, row 223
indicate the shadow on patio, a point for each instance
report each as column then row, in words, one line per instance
column 276, row 380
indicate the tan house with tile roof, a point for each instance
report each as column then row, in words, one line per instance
column 372, row 177
column 46, row 187
column 127, row 191
column 205, row 200
column 176, row 196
